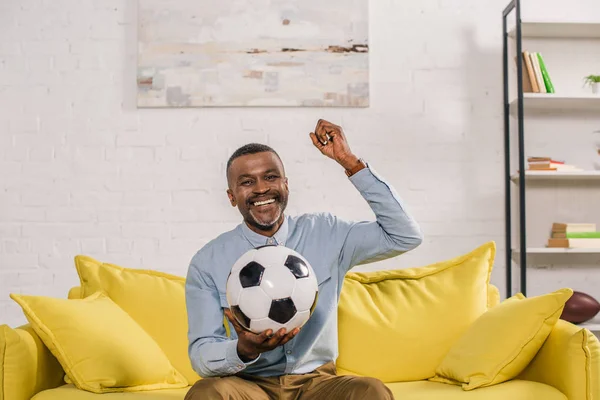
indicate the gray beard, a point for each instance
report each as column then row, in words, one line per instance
column 267, row 226
column 261, row 225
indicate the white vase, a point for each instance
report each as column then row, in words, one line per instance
column 596, row 88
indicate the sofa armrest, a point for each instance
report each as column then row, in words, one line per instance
column 569, row 360
column 26, row 365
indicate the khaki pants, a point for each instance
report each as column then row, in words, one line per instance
column 322, row 384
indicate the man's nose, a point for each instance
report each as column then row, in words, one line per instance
column 261, row 186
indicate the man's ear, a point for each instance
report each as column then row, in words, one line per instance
column 231, row 198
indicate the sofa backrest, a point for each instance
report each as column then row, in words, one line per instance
column 403, row 310
column 34, row 368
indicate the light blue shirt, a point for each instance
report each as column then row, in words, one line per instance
column 332, row 246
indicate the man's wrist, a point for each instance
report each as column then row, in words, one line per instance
column 349, row 162
column 246, row 358
column 353, row 167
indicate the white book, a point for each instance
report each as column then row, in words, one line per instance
column 588, row 243
column 538, row 72
column 580, row 227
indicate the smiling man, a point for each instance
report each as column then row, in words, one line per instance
column 299, row 364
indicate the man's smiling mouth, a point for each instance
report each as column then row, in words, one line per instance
column 263, row 203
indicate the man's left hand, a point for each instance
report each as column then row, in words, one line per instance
column 331, row 141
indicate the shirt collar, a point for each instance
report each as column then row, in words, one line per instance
column 257, row 239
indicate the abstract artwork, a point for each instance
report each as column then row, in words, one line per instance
column 220, row 53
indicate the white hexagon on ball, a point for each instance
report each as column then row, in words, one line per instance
column 278, row 282
column 255, row 303
column 305, row 292
column 298, row 320
column 261, row 325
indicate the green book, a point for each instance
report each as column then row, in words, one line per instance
column 545, row 74
column 583, row 235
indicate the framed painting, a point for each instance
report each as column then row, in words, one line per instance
column 223, row 53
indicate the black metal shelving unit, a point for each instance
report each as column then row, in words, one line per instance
column 514, row 6
column 515, row 108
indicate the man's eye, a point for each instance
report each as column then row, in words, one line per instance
column 246, row 182
column 271, row 177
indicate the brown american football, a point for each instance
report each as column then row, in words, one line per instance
column 580, row 307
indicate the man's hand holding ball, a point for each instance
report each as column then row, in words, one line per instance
column 250, row 344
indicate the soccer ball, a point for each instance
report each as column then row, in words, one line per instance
column 272, row 287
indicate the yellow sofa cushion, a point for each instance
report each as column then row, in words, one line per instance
column 155, row 300
column 503, row 341
column 421, row 390
column 99, row 346
column 69, row 392
column 512, row 390
column 26, row 364
column 398, row 325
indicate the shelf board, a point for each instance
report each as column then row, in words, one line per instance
column 558, row 175
column 557, row 29
column 592, row 325
column 553, row 101
column 558, row 250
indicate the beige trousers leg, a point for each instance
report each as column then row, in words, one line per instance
column 323, row 383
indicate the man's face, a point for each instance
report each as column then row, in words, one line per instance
column 259, row 189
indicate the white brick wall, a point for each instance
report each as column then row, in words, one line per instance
column 84, row 172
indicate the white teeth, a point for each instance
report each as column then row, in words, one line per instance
column 262, row 203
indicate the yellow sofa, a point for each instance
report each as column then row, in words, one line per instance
column 394, row 325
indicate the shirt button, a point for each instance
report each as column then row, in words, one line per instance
column 288, row 352
column 270, row 241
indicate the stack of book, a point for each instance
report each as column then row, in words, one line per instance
column 549, row 164
column 574, row 235
column 536, row 78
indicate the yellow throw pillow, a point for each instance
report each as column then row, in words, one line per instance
column 26, row 365
column 98, row 345
column 155, row 300
column 398, row 325
column 503, row 341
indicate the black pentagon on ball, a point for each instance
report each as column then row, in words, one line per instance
column 297, row 266
column 251, row 274
column 241, row 317
column 282, row 310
